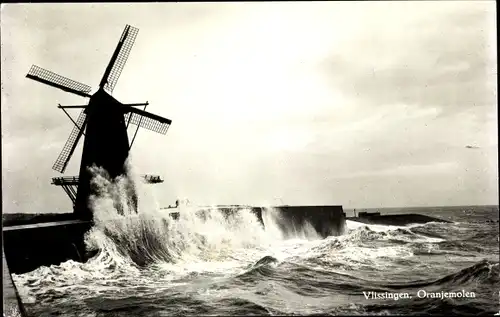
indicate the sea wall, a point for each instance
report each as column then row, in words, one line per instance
column 325, row 220
column 28, row 247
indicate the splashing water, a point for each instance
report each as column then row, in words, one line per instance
column 197, row 237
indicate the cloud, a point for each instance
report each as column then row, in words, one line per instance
column 443, row 59
column 405, row 170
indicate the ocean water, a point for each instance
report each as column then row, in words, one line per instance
column 151, row 265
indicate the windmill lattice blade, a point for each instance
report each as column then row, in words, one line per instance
column 69, row 147
column 52, row 79
column 114, row 70
column 148, row 120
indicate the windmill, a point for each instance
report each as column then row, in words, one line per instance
column 103, row 122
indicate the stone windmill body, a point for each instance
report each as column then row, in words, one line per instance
column 103, row 123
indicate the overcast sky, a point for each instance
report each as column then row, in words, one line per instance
column 364, row 104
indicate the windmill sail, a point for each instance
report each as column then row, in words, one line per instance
column 119, row 58
column 69, row 147
column 101, row 123
column 147, row 120
column 52, row 79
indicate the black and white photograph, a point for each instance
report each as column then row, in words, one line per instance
column 269, row 158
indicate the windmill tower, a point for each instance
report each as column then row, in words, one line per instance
column 103, row 122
